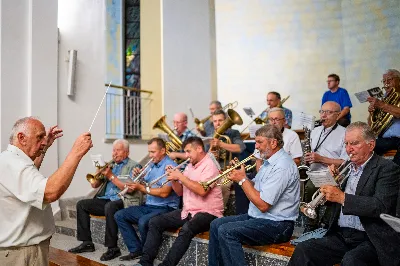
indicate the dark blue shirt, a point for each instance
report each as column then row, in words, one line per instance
column 341, row 96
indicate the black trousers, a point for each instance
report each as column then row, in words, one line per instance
column 386, row 144
column 346, row 246
column 98, row 207
column 191, row 226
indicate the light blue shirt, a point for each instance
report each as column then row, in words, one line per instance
column 278, row 184
column 393, row 130
column 111, row 191
column 155, row 171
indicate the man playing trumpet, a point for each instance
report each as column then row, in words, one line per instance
column 159, row 200
column 200, row 207
column 105, row 203
column 356, row 235
column 274, row 195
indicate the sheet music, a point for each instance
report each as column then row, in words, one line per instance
column 249, row 111
column 164, row 137
column 373, row 92
column 321, row 178
column 253, row 129
column 206, row 140
column 300, row 120
column 394, row 222
column 97, row 160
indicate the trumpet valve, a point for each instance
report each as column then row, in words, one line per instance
column 308, row 210
column 205, row 185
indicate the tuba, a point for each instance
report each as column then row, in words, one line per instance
column 232, row 118
column 92, row 178
column 200, row 123
column 309, row 209
column 379, row 120
column 304, row 167
column 175, row 144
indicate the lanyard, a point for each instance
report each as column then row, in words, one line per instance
column 319, row 144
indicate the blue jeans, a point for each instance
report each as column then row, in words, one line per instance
column 227, row 235
column 141, row 216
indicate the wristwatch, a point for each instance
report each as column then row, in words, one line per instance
column 148, row 189
column 242, row 181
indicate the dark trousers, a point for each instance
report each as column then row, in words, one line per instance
column 227, row 234
column 98, row 207
column 191, row 226
column 386, row 144
column 346, row 246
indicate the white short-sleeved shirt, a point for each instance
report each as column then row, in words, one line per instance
column 25, row 218
column 332, row 147
column 291, row 143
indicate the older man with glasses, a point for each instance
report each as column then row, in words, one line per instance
column 183, row 133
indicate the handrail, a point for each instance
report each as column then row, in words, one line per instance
column 128, row 88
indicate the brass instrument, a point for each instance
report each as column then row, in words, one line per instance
column 309, row 209
column 162, row 176
column 138, row 179
column 379, row 120
column 304, row 167
column 92, row 178
column 232, row 118
column 175, row 144
column 200, row 123
column 264, row 121
column 222, row 179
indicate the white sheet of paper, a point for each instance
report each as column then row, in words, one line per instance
column 321, row 178
column 362, row 96
column 394, row 222
column 97, row 160
column 253, row 129
column 301, row 120
column 206, row 140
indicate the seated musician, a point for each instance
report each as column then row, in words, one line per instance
column 200, row 207
column 159, row 200
column 291, row 140
column 208, row 125
column 356, row 235
column 390, row 139
column 182, row 131
column 274, row 100
column 274, row 194
column 327, row 144
column 105, row 203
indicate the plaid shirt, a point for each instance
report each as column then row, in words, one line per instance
column 186, row 134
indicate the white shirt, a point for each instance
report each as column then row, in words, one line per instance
column 332, row 147
column 25, row 218
column 291, row 143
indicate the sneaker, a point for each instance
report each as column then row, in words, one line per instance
column 84, row 247
column 110, row 254
column 131, row 256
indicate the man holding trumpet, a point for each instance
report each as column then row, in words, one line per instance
column 105, row 203
column 159, row 199
column 356, row 235
column 200, row 206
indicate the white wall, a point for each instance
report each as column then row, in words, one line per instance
column 188, row 59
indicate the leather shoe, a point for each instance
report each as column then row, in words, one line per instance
column 131, row 256
column 84, row 247
column 110, row 254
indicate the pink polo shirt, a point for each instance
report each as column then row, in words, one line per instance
column 212, row 202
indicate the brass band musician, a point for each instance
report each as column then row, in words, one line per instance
column 182, row 132
column 390, row 138
column 274, row 100
column 208, row 125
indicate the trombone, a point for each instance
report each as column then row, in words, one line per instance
column 309, row 209
column 155, row 181
column 138, row 178
column 92, row 178
column 200, row 123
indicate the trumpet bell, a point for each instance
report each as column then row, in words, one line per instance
column 235, row 117
column 308, row 210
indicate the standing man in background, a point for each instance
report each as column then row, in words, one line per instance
column 274, row 100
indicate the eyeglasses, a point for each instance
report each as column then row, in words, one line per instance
column 328, row 112
column 385, row 81
column 275, row 119
column 179, row 122
column 330, row 80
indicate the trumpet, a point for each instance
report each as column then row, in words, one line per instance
column 138, row 178
column 222, row 179
column 200, row 123
column 92, row 178
column 162, row 176
column 309, row 209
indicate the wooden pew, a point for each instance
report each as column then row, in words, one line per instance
column 58, row 257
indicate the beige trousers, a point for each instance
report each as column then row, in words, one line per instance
column 35, row 255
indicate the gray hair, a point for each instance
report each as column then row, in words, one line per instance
column 124, row 143
column 393, row 72
column 366, row 132
column 217, row 103
column 277, row 109
column 21, row 126
column 271, row 132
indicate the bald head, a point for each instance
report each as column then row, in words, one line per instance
column 180, row 123
column 329, row 113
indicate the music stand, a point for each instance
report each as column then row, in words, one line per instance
column 249, row 111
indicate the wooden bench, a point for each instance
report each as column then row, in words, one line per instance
column 58, row 257
column 390, row 153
